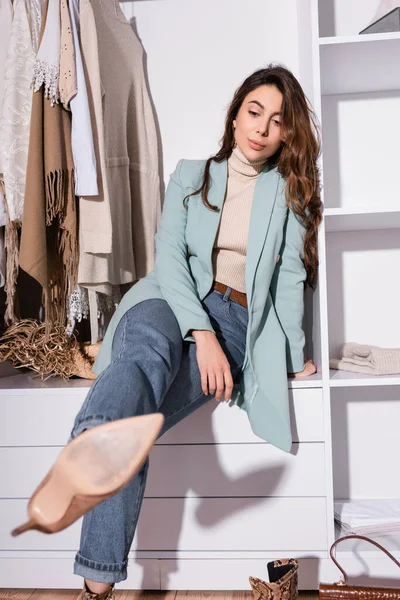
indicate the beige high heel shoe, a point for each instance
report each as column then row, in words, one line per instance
column 94, row 466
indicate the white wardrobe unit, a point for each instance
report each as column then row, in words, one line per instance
column 220, row 503
column 359, row 88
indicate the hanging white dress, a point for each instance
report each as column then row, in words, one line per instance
column 16, row 110
column 5, row 20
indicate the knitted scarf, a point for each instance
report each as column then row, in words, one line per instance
column 49, row 241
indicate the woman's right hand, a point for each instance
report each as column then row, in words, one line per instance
column 215, row 371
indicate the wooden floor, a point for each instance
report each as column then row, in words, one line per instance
column 136, row 595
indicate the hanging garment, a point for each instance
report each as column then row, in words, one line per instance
column 67, row 78
column 83, row 144
column 6, row 14
column 2, row 259
column 15, row 117
column 131, row 150
column 10, row 249
column 47, row 65
column 3, row 214
column 49, row 250
column 2, row 246
column 16, row 110
column 34, row 9
column 84, row 304
column 95, row 227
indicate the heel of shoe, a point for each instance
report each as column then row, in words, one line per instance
column 31, row 524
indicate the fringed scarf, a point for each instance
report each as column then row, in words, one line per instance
column 49, row 240
column 11, row 247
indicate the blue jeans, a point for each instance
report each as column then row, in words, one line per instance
column 152, row 370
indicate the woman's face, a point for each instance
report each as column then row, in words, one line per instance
column 257, row 125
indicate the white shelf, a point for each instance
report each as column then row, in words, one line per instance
column 359, row 219
column 366, row 38
column 21, row 382
column 359, row 548
column 356, row 547
column 314, row 381
column 347, row 379
column 357, row 64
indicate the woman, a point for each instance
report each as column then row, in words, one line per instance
column 221, row 314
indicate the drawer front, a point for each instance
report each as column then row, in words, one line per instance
column 54, row 573
column 36, row 419
column 223, row 424
column 223, row 470
column 196, row 524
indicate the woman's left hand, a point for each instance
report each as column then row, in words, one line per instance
column 308, row 370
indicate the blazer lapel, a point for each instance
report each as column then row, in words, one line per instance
column 265, row 193
column 216, row 197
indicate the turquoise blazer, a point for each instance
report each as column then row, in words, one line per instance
column 275, row 276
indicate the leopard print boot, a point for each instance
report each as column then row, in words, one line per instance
column 86, row 594
column 283, row 581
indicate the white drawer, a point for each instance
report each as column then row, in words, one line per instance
column 197, row 524
column 32, row 418
column 223, row 470
column 220, row 423
column 45, row 418
column 56, row 573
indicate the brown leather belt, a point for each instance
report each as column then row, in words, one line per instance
column 238, row 297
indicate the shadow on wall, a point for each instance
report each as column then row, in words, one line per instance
column 263, row 482
column 327, row 18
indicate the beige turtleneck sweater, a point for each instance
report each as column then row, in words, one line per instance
column 230, row 248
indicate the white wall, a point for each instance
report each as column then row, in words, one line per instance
column 198, row 53
column 365, row 441
column 363, row 290
column 360, row 149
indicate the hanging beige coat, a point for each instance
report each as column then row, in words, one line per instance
column 130, row 147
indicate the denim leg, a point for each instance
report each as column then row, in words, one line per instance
column 229, row 321
column 146, row 356
column 108, row 529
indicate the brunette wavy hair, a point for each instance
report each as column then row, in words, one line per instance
column 296, row 159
